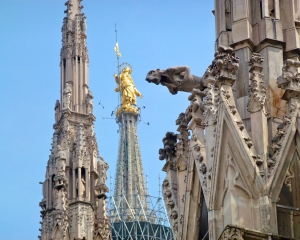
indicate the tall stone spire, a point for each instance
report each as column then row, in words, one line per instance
column 73, row 204
column 133, row 213
column 130, row 175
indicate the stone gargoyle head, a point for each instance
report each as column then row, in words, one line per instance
column 154, row 76
column 175, row 79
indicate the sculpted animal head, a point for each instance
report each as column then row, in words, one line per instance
column 161, row 77
column 175, row 79
column 154, row 76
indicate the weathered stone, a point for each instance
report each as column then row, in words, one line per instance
column 69, row 202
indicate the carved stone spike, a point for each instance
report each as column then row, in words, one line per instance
column 240, row 125
column 248, row 142
column 257, row 160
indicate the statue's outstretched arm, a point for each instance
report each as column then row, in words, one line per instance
column 138, row 93
column 117, row 89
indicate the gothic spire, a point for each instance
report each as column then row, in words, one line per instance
column 70, row 209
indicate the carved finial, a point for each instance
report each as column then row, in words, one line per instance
column 257, row 87
column 290, row 79
column 256, row 60
column 73, row 8
column 169, row 146
column 224, row 66
column 181, row 120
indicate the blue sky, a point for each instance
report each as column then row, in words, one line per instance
column 152, row 34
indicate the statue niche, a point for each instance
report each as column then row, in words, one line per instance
column 176, row 79
column 81, row 184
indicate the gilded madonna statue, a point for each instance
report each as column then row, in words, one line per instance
column 128, row 91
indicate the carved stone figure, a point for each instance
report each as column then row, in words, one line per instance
column 60, row 161
column 67, row 96
column 176, row 79
column 128, row 89
column 89, row 102
column 84, row 27
column 57, row 111
column 102, row 167
column 82, row 186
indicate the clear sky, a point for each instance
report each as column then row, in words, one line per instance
column 152, row 34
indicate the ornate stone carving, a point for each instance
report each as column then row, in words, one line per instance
column 277, row 141
column 290, row 79
column 195, row 110
column 172, row 208
column 224, row 66
column 257, row 87
column 199, row 161
column 101, row 187
column 211, row 103
column 182, row 144
column 176, row 79
column 67, row 96
column 102, row 228
column 232, row 233
column 169, row 151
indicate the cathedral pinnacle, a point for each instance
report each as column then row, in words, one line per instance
column 73, row 8
column 70, row 207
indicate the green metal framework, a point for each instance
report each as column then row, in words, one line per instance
column 146, row 220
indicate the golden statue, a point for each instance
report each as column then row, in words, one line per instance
column 128, row 91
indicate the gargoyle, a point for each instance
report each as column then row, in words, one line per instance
column 176, row 79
